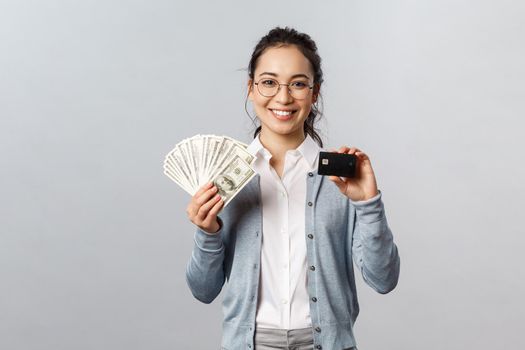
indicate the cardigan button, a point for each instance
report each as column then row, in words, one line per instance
column 310, row 174
column 310, row 204
column 318, row 347
column 314, row 299
column 312, row 268
column 310, row 236
column 317, row 329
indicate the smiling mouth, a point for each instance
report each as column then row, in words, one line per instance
column 283, row 114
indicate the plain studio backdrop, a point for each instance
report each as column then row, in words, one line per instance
column 94, row 237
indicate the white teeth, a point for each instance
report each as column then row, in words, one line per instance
column 281, row 112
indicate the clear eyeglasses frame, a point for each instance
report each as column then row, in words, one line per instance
column 270, row 87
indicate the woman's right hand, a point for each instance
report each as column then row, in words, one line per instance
column 204, row 207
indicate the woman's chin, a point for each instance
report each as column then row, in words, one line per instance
column 284, row 131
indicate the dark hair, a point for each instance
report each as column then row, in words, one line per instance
column 278, row 37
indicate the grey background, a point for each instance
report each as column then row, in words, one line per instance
column 94, row 238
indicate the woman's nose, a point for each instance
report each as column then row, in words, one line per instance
column 283, row 95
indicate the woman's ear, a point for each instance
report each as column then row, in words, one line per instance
column 315, row 93
column 250, row 89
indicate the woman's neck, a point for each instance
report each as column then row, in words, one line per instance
column 278, row 144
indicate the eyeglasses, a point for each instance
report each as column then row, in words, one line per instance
column 270, row 87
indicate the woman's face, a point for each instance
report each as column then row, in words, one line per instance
column 284, row 64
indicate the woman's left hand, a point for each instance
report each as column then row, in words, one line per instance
column 361, row 187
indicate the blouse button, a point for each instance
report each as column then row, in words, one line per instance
column 314, row 299
column 311, row 174
column 312, row 268
column 310, row 204
column 317, row 329
column 310, row 236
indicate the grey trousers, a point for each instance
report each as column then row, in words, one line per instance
column 293, row 339
column 282, row 339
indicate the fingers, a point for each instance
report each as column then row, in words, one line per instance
column 340, row 183
column 212, row 213
column 203, row 189
column 206, row 207
column 362, row 155
column 204, row 197
column 199, row 198
column 346, row 149
column 343, row 149
column 210, row 223
column 351, row 150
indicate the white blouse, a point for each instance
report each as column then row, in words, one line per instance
column 283, row 298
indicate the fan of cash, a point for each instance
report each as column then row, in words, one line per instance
column 201, row 159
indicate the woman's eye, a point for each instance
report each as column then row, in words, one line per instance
column 299, row 84
column 268, row 82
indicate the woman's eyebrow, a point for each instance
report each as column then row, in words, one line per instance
column 293, row 76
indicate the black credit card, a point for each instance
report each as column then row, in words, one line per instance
column 337, row 164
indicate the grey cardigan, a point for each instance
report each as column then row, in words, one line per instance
column 338, row 231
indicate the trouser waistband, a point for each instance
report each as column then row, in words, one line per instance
column 283, row 337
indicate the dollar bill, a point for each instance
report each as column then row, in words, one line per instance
column 233, row 178
column 195, row 161
column 234, row 151
column 175, row 161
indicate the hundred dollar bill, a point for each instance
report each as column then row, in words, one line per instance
column 214, row 143
column 174, row 160
column 169, row 173
column 232, row 178
column 222, row 152
column 242, row 144
column 234, row 151
column 200, row 159
column 187, row 162
column 242, row 148
column 195, row 147
column 204, row 156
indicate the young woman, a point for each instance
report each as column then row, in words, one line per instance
column 285, row 246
